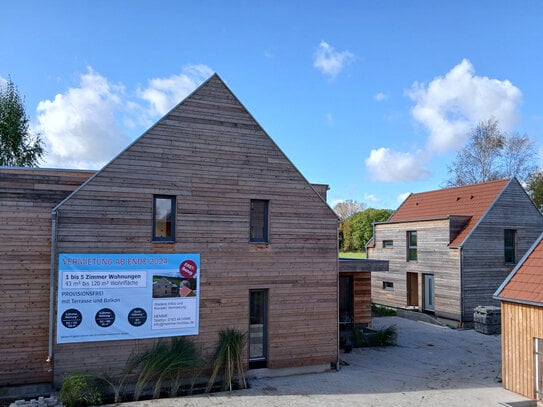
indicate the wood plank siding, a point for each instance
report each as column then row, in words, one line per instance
column 214, row 158
column 360, row 271
column 484, row 267
column 433, row 257
column 26, row 199
column 521, row 323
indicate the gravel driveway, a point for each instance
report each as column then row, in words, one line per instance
column 430, row 366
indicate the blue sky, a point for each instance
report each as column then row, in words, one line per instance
column 371, row 97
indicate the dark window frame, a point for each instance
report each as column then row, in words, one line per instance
column 261, row 360
column 259, row 221
column 173, row 218
column 412, row 248
column 388, row 244
column 510, row 246
column 388, row 286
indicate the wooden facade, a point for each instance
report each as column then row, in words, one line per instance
column 213, row 157
column 27, row 197
column 521, row 296
column 355, row 289
column 522, row 325
column 460, row 260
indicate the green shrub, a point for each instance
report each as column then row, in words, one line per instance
column 80, row 390
column 387, row 336
column 383, row 311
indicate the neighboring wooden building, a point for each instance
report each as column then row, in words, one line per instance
column 521, row 296
column 355, row 290
column 265, row 237
column 27, row 197
column 450, row 249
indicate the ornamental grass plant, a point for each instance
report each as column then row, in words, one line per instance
column 166, row 363
column 228, row 359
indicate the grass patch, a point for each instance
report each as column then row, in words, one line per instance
column 352, row 255
column 383, row 311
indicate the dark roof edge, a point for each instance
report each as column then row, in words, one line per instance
column 514, row 300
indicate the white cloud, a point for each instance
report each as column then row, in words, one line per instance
column 372, row 199
column 402, row 197
column 329, row 61
column 79, row 127
column 387, row 165
column 449, row 106
column 380, row 97
column 163, row 94
column 86, row 126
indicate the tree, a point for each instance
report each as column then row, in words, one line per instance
column 18, row 147
column 358, row 229
column 535, row 188
column 492, row 154
column 346, row 209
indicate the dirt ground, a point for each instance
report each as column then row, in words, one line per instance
column 430, row 366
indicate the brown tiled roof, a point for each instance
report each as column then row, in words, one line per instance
column 525, row 283
column 469, row 200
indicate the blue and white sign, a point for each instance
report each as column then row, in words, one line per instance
column 104, row 297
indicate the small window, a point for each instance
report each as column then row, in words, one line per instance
column 388, row 244
column 388, row 285
column 509, row 245
column 164, row 218
column 412, row 246
column 259, row 221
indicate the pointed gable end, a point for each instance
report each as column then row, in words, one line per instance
column 207, row 140
column 525, row 283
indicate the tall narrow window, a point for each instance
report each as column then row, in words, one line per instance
column 259, row 221
column 163, row 218
column 412, row 246
column 509, row 245
column 258, row 328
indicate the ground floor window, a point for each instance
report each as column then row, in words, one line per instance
column 258, row 328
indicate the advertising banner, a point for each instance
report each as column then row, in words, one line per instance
column 104, row 297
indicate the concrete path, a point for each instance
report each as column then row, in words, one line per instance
column 430, row 366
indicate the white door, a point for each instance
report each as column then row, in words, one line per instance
column 429, row 292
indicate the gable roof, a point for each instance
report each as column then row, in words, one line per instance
column 471, row 201
column 525, row 283
column 210, row 118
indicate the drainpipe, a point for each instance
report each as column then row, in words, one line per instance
column 338, row 358
column 461, row 283
column 54, row 217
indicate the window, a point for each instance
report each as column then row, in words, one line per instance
column 259, row 221
column 388, row 285
column 164, row 218
column 509, row 245
column 388, row 244
column 258, row 328
column 412, row 246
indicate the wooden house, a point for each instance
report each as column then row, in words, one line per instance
column 521, row 296
column 27, row 197
column 208, row 183
column 450, row 249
